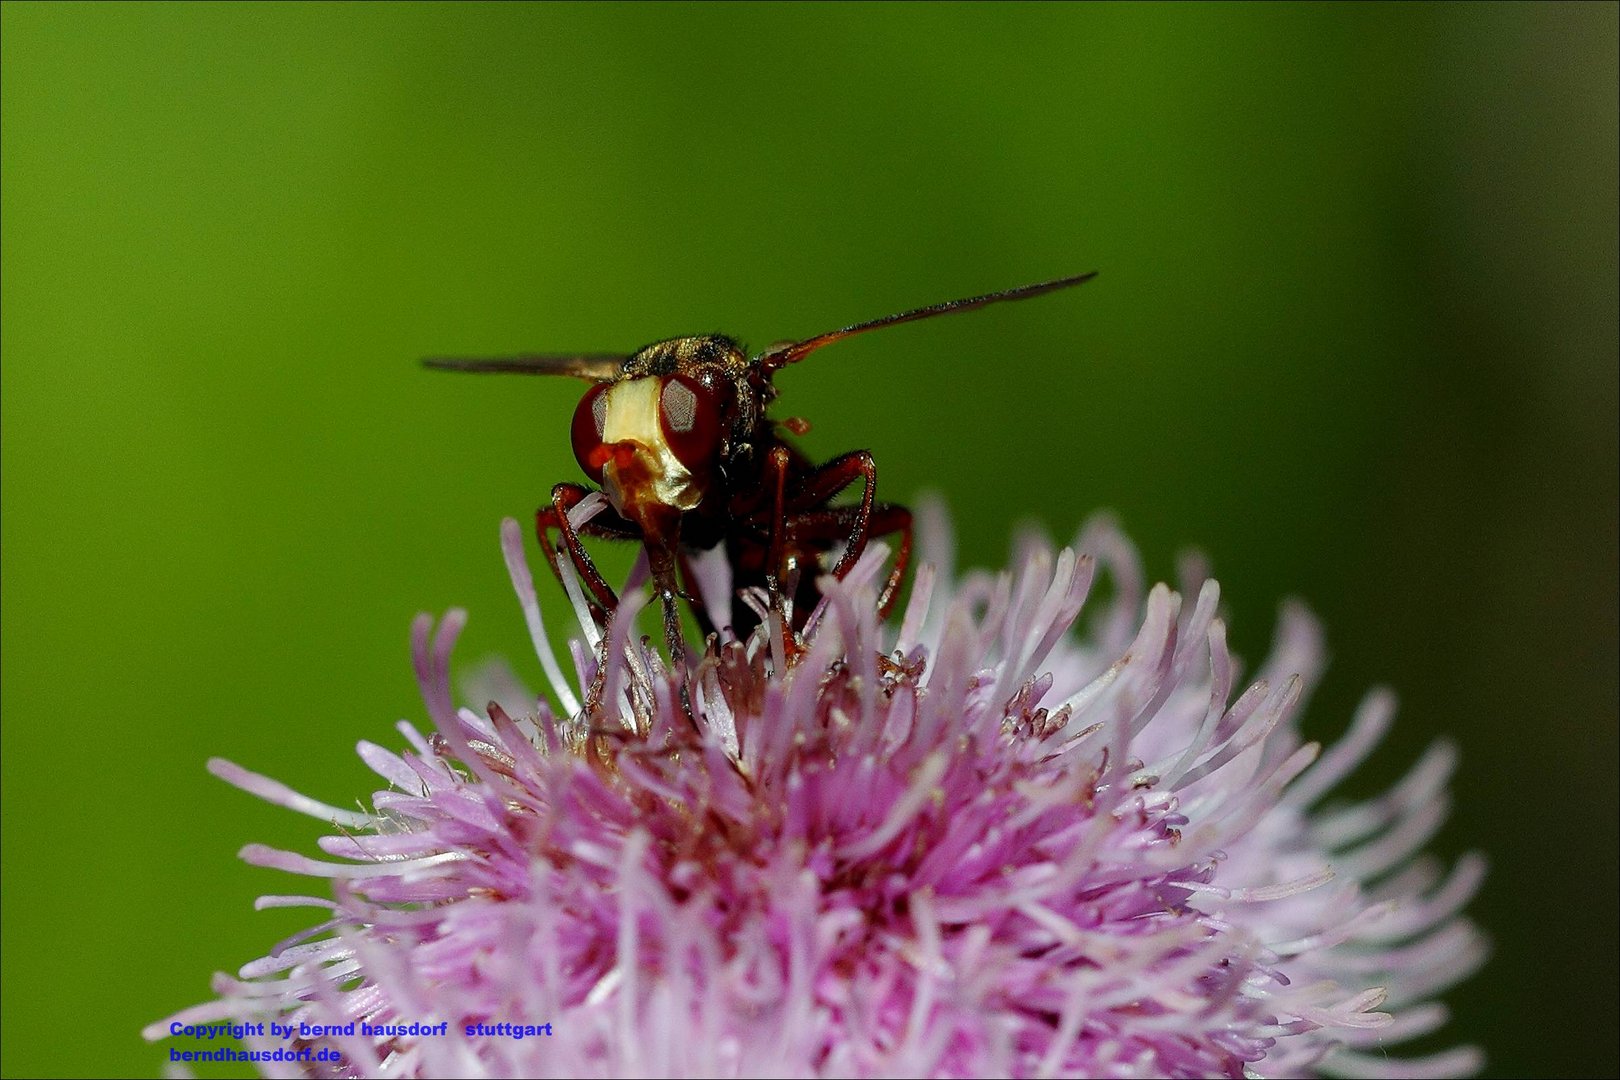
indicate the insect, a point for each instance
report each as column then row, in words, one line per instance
column 677, row 437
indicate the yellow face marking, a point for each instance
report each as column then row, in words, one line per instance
column 651, row 473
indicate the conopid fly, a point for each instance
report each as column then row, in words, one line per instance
column 677, row 437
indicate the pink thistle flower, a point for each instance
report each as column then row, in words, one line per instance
column 975, row 843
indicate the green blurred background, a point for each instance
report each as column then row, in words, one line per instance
column 1355, row 337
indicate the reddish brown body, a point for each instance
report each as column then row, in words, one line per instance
column 720, row 473
column 678, row 438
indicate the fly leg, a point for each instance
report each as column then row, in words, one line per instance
column 821, row 485
column 662, row 532
column 693, row 596
column 564, row 497
column 776, row 472
column 841, row 522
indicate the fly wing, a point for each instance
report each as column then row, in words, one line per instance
column 593, row 367
column 778, row 356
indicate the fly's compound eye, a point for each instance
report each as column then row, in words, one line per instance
column 589, row 420
column 691, row 416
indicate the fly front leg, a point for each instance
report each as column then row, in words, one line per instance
column 776, row 470
column 840, row 522
column 777, row 567
column 564, row 497
column 695, row 599
column 822, row 484
column 888, row 518
column 662, row 533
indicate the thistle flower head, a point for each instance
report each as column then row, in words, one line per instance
column 972, row 842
